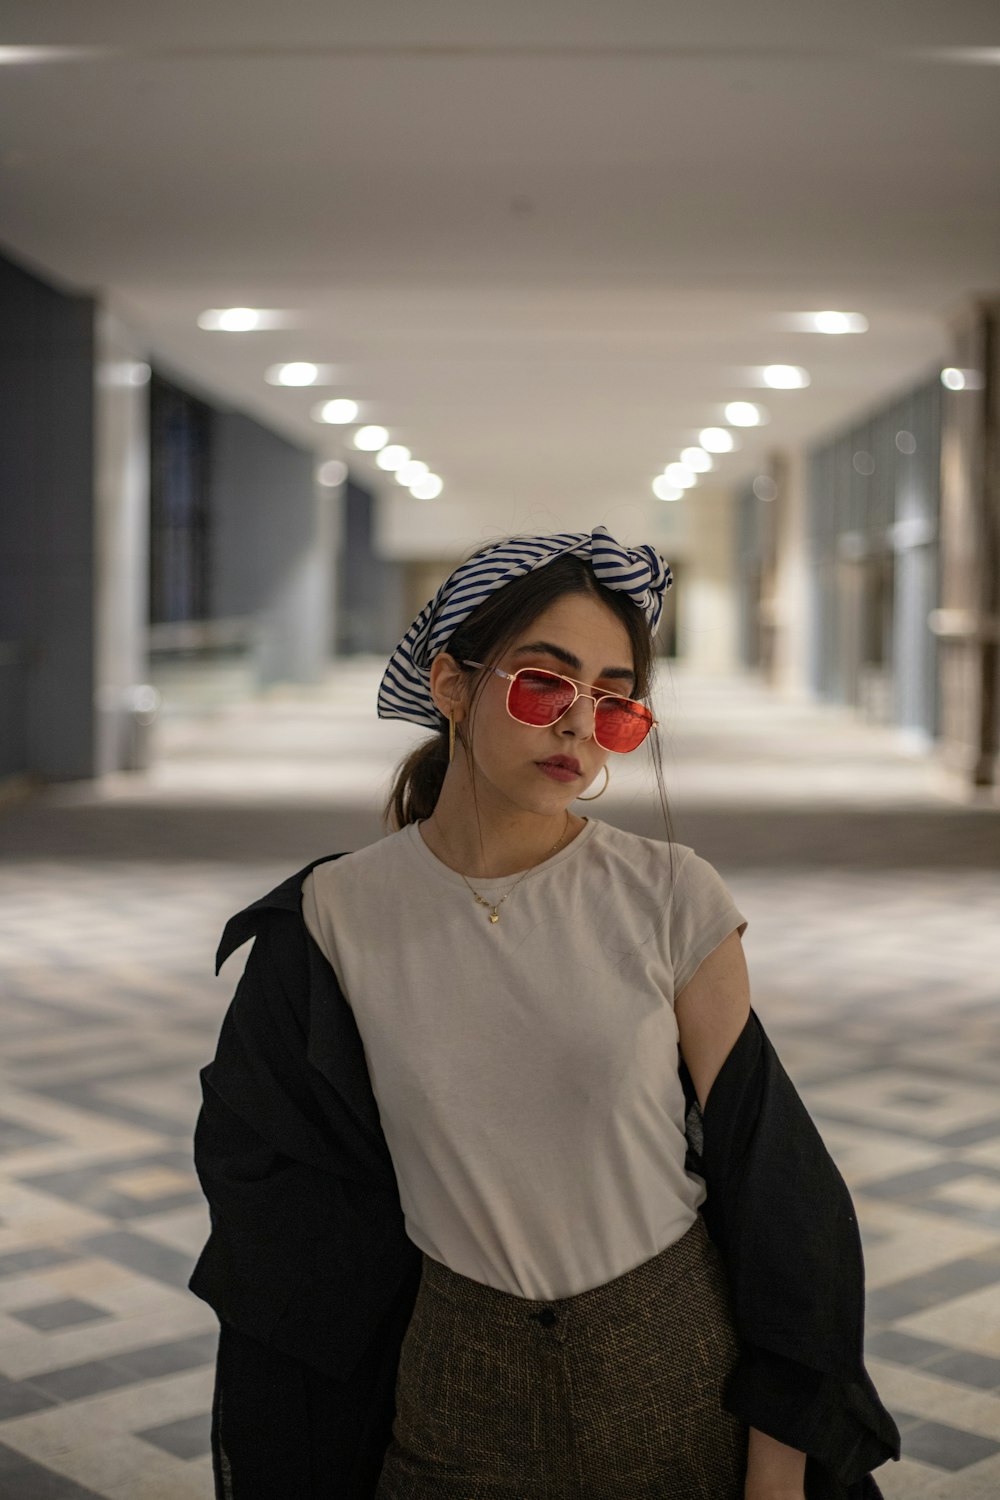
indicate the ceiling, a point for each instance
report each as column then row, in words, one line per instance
column 542, row 244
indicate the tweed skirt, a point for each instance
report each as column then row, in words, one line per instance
column 612, row 1394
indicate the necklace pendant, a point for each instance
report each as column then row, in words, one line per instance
column 494, row 915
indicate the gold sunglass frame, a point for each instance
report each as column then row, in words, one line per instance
column 595, row 698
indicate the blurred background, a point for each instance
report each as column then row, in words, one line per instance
column 301, row 304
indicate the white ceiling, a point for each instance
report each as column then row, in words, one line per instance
column 542, row 243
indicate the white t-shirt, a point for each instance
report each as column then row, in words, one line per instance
column 526, row 1072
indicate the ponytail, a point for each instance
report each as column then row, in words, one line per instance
column 418, row 782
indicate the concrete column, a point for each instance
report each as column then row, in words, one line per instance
column 791, row 615
column 707, row 625
column 121, row 537
column 968, row 619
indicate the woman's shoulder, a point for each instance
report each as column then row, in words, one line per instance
column 663, row 864
column 333, row 871
column 633, row 846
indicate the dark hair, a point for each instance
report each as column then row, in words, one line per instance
column 484, row 636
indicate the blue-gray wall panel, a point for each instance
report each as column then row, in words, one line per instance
column 262, row 512
column 46, row 523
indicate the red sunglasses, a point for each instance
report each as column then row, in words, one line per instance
column 535, row 696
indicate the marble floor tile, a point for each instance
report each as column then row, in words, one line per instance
column 933, row 1398
column 948, row 1447
column 188, row 1438
column 69, row 1312
column 969, row 1322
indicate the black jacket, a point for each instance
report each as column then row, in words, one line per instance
column 308, row 1252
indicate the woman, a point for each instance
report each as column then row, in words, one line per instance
column 482, row 1087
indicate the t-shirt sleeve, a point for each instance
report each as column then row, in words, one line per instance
column 319, row 926
column 310, row 911
column 702, row 913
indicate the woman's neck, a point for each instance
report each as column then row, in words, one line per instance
column 509, row 844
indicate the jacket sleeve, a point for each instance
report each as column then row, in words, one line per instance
column 782, row 1218
column 307, row 1250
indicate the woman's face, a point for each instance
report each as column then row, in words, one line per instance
column 582, row 638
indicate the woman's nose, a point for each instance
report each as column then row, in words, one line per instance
column 580, row 717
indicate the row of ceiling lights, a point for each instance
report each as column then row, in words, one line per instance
column 408, row 471
column 415, row 475
column 393, row 458
column 411, row 472
column 683, row 475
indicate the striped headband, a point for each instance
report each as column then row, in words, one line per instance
column 404, row 692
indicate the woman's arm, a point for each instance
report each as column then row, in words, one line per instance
column 712, row 1010
column 774, row 1471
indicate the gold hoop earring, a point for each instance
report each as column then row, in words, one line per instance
column 451, row 739
column 607, row 780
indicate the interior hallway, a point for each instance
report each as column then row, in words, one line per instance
column 872, row 889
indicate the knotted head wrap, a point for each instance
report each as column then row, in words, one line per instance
column 404, row 692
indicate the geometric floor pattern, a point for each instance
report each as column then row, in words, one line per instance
column 880, row 987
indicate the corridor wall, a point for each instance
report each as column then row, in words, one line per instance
column 241, row 561
column 270, row 554
column 46, row 528
column 371, row 588
column 872, row 517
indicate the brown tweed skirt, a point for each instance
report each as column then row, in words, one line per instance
column 614, row 1394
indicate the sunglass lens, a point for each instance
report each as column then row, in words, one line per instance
column 621, row 723
column 538, row 697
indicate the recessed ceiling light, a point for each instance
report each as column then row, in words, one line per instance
column 664, row 490
column 785, row 377
column 339, row 411
column 299, row 372
column 716, row 440
column 746, row 414
column 370, row 439
column 12, row 55
column 990, row 56
column 681, row 475
column 839, row 322
column 961, row 380
column 392, row 456
column 427, row 486
column 413, row 469
column 124, row 372
column 697, row 460
column 333, row 472
column 238, row 319
column 242, row 319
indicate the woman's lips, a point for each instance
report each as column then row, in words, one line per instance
column 558, row 773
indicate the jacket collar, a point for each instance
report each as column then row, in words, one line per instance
column 284, row 897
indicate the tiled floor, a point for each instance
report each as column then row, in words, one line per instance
column 872, row 888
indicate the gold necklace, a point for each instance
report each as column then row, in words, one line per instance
column 495, row 909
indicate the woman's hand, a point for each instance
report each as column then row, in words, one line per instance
column 774, row 1471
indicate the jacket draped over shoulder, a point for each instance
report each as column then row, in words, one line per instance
column 782, row 1218
column 308, row 1252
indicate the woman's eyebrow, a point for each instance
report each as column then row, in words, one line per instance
column 548, row 648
